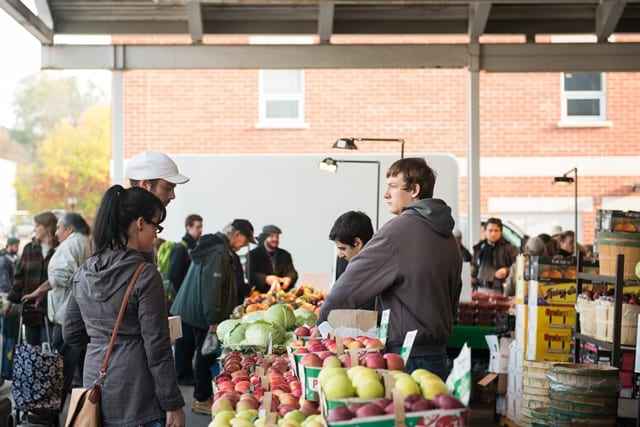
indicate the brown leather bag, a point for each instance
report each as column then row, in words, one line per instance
column 84, row 407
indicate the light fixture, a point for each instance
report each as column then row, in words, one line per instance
column 565, row 180
column 328, row 165
column 350, row 143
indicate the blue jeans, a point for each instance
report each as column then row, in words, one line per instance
column 156, row 423
column 437, row 363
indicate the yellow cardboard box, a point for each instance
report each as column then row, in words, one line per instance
column 552, row 293
column 544, row 318
column 554, row 345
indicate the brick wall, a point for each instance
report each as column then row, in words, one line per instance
column 216, row 111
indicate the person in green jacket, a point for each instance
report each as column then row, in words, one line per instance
column 213, row 287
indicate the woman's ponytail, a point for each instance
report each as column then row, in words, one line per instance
column 106, row 230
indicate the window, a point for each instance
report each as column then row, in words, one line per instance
column 584, row 97
column 282, row 98
column 282, row 91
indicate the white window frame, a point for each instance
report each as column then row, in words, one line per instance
column 265, row 122
column 600, row 95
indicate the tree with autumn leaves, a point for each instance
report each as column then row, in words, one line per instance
column 71, row 162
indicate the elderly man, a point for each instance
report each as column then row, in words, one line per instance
column 271, row 267
column 8, row 264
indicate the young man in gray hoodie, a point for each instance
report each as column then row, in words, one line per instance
column 412, row 265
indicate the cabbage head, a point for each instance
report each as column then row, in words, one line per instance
column 257, row 334
column 305, row 317
column 236, row 335
column 281, row 315
column 225, row 327
column 252, row 317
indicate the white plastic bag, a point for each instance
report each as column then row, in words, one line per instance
column 210, row 345
column 459, row 380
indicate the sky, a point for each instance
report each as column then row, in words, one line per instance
column 21, row 58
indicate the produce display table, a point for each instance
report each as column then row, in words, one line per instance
column 472, row 335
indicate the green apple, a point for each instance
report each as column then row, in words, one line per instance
column 431, row 387
column 332, row 362
column 221, row 405
column 248, row 414
column 418, row 374
column 338, row 387
column 222, row 419
column 370, row 389
column 296, row 416
column 352, row 372
column 259, row 422
column 406, row 386
column 327, row 373
column 241, row 422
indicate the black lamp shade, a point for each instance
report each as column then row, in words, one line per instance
column 345, row 144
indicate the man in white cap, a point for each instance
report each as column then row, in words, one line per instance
column 155, row 172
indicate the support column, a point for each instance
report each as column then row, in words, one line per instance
column 473, row 150
column 117, row 127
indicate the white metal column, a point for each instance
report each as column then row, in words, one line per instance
column 117, row 127
column 473, row 151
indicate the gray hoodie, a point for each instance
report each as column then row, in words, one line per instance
column 413, row 266
column 141, row 380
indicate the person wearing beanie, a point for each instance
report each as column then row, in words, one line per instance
column 271, row 267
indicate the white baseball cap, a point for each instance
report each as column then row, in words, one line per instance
column 154, row 165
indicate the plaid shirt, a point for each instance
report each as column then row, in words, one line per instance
column 31, row 272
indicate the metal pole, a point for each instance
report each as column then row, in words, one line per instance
column 402, row 149
column 117, row 128
column 473, row 151
column 378, row 200
column 575, row 207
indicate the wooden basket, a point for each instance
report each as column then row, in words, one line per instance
column 612, row 244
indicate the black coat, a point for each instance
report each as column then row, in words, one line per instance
column 180, row 260
column 501, row 255
column 260, row 267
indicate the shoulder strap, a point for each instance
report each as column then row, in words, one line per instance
column 116, row 327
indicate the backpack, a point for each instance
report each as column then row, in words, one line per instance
column 164, row 265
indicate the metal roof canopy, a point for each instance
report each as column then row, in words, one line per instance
column 325, row 18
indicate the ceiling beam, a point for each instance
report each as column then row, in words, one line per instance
column 44, row 12
column 608, row 15
column 326, row 10
column 498, row 58
column 18, row 11
column 194, row 17
column 478, row 17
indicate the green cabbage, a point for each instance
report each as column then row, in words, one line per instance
column 305, row 317
column 257, row 334
column 236, row 335
column 252, row 317
column 281, row 315
column 225, row 327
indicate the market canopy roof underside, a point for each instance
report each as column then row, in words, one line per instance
column 326, row 18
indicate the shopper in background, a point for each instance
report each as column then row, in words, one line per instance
column 179, row 265
column 412, row 265
column 492, row 258
column 140, row 388
column 566, row 243
column 271, row 267
column 464, row 252
column 550, row 245
column 213, row 287
column 534, row 247
column 155, row 172
column 74, row 249
column 350, row 233
column 31, row 272
column 8, row 258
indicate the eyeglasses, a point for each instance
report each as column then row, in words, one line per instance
column 158, row 227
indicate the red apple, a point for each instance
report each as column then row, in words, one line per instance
column 311, row 360
column 375, row 361
column 394, row 362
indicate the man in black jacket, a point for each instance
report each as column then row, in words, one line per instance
column 412, row 264
column 492, row 258
column 179, row 265
column 270, row 267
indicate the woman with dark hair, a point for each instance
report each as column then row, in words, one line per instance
column 140, row 387
column 31, row 272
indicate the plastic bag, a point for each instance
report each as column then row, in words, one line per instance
column 210, row 345
column 459, row 380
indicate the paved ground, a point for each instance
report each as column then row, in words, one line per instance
column 193, row 420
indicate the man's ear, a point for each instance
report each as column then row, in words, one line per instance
column 415, row 191
column 140, row 223
column 358, row 243
column 146, row 184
